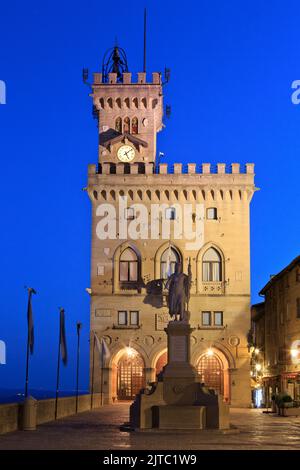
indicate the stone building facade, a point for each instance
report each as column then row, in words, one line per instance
column 129, row 271
column 276, row 334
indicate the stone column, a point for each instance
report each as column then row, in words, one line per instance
column 149, row 374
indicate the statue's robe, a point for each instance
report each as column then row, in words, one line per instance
column 178, row 294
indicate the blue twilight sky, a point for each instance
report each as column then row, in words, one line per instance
column 232, row 66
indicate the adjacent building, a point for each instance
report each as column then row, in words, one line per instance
column 276, row 335
column 138, row 205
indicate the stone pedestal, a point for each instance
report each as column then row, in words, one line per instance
column 178, row 400
column 178, row 374
column 182, row 417
column 179, row 351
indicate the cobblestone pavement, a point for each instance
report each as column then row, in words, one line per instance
column 99, row 429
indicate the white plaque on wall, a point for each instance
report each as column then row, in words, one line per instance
column 100, row 269
column 102, row 312
column 161, row 321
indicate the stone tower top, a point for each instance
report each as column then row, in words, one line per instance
column 129, row 112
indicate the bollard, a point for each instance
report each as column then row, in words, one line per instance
column 29, row 414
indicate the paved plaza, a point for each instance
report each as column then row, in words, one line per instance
column 99, row 429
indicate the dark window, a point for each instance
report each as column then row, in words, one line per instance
column 112, row 169
column 212, row 213
column 127, row 168
column 206, row 318
column 141, row 168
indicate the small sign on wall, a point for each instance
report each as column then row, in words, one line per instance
column 100, row 269
column 102, row 312
column 162, row 320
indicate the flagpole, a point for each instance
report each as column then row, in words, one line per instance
column 93, row 372
column 57, row 372
column 30, row 291
column 101, row 383
column 79, row 325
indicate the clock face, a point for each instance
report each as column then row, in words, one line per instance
column 126, row 153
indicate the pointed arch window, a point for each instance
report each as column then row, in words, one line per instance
column 129, row 266
column 118, row 125
column 168, row 260
column 135, row 125
column 212, row 266
column 126, row 125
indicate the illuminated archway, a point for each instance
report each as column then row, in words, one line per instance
column 212, row 368
column 130, row 376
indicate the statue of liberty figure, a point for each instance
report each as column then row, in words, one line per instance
column 179, row 286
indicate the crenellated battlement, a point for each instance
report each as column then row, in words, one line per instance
column 140, row 79
column 174, row 169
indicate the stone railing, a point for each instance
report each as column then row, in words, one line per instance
column 11, row 413
column 111, row 79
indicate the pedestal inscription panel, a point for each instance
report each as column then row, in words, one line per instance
column 178, row 349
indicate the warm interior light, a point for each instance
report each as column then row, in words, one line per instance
column 256, row 350
column 210, row 352
column 294, row 353
column 130, row 352
column 258, row 367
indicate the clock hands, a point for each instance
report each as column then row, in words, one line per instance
column 126, row 153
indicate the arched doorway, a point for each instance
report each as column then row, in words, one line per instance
column 130, row 375
column 211, row 371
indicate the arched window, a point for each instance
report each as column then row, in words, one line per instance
column 119, row 125
column 168, row 260
column 134, row 126
column 129, row 266
column 211, row 266
column 126, row 126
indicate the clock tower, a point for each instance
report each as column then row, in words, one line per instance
column 129, row 112
column 132, row 196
